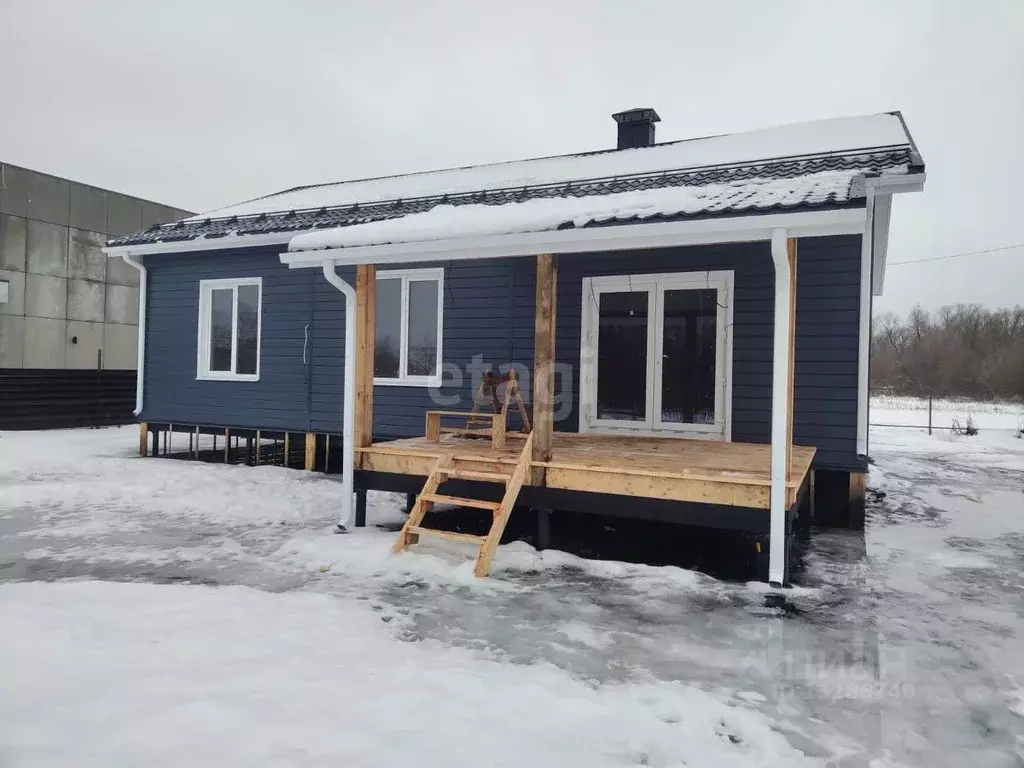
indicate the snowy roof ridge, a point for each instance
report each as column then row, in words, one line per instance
column 908, row 140
column 808, row 138
column 763, row 162
column 871, row 144
column 756, row 195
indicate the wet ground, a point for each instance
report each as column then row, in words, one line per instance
column 902, row 646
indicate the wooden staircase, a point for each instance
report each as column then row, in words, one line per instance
column 453, row 466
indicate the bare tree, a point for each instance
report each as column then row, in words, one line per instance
column 961, row 350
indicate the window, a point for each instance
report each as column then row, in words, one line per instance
column 230, row 313
column 656, row 354
column 408, row 313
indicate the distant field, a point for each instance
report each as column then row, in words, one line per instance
column 913, row 411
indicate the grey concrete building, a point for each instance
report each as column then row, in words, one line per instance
column 64, row 306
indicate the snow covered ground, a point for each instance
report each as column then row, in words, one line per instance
column 913, row 411
column 175, row 613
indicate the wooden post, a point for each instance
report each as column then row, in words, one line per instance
column 310, row 451
column 544, row 363
column 858, row 493
column 327, row 452
column 227, row 446
column 791, row 252
column 143, row 439
column 432, row 428
column 287, row 447
column 365, row 319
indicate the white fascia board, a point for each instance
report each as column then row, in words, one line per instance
column 203, row 244
column 911, row 182
column 842, row 221
column 880, row 240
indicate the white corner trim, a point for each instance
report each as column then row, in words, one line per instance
column 737, row 229
column 781, row 351
column 140, row 361
column 206, row 288
column 864, row 332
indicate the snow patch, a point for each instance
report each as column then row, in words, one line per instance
column 112, row 674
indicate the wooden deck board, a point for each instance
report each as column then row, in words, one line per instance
column 737, row 474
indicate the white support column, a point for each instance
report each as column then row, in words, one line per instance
column 781, row 405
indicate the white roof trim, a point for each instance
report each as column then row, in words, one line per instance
column 710, row 231
column 204, row 244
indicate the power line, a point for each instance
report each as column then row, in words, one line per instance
column 958, row 255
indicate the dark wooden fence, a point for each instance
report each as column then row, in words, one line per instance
column 48, row 399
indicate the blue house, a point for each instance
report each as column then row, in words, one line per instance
column 688, row 323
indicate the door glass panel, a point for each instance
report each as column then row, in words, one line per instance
column 622, row 356
column 248, row 328
column 221, row 306
column 422, row 327
column 688, row 357
column 388, row 312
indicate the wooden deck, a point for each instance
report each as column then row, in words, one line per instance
column 711, row 472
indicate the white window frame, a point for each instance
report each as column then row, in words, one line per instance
column 655, row 285
column 206, row 289
column 408, row 276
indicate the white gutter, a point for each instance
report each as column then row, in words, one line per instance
column 737, row 229
column 780, row 410
column 141, row 359
column 349, row 400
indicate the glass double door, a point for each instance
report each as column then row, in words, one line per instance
column 655, row 354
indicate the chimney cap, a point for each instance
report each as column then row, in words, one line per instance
column 637, row 115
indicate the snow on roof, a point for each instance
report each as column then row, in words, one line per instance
column 450, row 221
column 800, row 139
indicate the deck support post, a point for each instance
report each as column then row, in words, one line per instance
column 858, row 494
column 360, row 508
column 543, row 529
column 784, row 257
column 544, row 363
column 143, row 438
column 310, row 464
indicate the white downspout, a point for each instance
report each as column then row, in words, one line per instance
column 780, row 410
column 141, row 358
column 349, row 402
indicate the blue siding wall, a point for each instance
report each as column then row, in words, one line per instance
column 280, row 399
column 488, row 321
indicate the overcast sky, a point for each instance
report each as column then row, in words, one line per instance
column 203, row 104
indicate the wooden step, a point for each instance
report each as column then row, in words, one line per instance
column 438, row 498
column 472, row 474
column 453, row 535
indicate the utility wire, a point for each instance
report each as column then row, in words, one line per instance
column 958, row 255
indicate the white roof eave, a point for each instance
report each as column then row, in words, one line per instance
column 734, row 229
